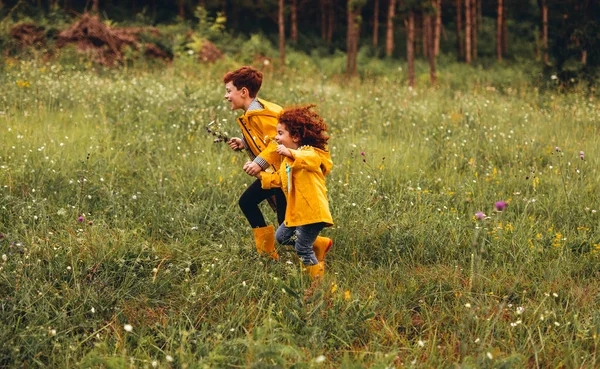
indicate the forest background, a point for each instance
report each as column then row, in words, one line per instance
column 464, row 189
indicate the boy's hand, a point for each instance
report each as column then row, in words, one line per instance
column 235, row 143
column 251, row 168
column 282, row 150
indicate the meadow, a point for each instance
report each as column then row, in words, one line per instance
column 123, row 246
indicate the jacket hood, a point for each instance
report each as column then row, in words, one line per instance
column 270, row 110
column 326, row 162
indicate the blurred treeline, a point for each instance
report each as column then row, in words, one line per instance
column 563, row 35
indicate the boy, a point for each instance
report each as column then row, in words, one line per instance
column 258, row 129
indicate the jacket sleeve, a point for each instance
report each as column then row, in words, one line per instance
column 269, row 154
column 269, row 131
column 306, row 159
column 270, row 180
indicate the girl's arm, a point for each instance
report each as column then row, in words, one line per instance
column 306, row 159
column 269, row 180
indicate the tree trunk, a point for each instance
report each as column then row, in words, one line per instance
column 459, row 37
column 410, row 47
column 499, row 32
column 468, row 31
column 295, row 21
column 281, row 24
column 545, row 31
column 352, row 39
column 428, row 46
column 438, row 27
column 474, row 29
column 425, row 28
column 323, row 19
column 95, row 7
column 376, row 23
column 181, row 7
column 389, row 39
column 331, row 20
column 504, row 33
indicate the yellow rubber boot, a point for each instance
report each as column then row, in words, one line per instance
column 321, row 246
column 265, row 241
column 316, row 271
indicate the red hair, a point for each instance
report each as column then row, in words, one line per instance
column 245, row 77
column 306, row 124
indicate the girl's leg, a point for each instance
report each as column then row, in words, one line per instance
column 249, row 201
column 306, row 236
column 285, row 235
column 281, row 205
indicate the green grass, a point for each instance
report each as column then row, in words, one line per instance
column 413, row 280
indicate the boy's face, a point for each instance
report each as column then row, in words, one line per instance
column 283, row 137
column 236, row 97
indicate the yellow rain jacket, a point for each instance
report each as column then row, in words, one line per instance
column 259, row 130
column 302, row 179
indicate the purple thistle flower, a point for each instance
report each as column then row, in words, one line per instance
column 80, row 219
column 501, row 205
column 581, row 155
column 479, row 215
column 362, row 153
column 557, row 149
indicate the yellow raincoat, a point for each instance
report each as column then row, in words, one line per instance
column 302, row 179
column 259, row 130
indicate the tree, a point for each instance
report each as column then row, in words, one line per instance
column 437, row 4
column 459, row 37
column 323, row 14
column 474, row 29
column 281, row 24
column 499, row 32
column 410, row 46
column 468, row 31
column 354, row 18
column 545, row 31
column 389, row 39
column 376, row 23
column 181, row 8
column 294, row 14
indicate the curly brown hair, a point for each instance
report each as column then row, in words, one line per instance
column 306, row 124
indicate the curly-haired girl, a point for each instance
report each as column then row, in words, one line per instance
column 302, row 143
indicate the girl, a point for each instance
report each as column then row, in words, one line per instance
column 302, row 143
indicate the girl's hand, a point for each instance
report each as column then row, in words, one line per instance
column 282, row 150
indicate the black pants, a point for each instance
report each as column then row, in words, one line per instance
column 253, row 196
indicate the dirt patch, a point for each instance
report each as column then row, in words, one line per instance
column 107, row 45
column 209, row 53
column 28, row 35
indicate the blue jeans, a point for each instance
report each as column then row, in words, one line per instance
column 303, row 241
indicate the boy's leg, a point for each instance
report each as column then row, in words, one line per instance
column 249, row 201
column 285, row 235
column 306, row 236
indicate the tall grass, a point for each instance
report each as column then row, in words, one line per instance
column 122, row 244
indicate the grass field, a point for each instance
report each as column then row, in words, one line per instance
column 123, row 246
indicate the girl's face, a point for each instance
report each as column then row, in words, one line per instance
column 283, row 137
